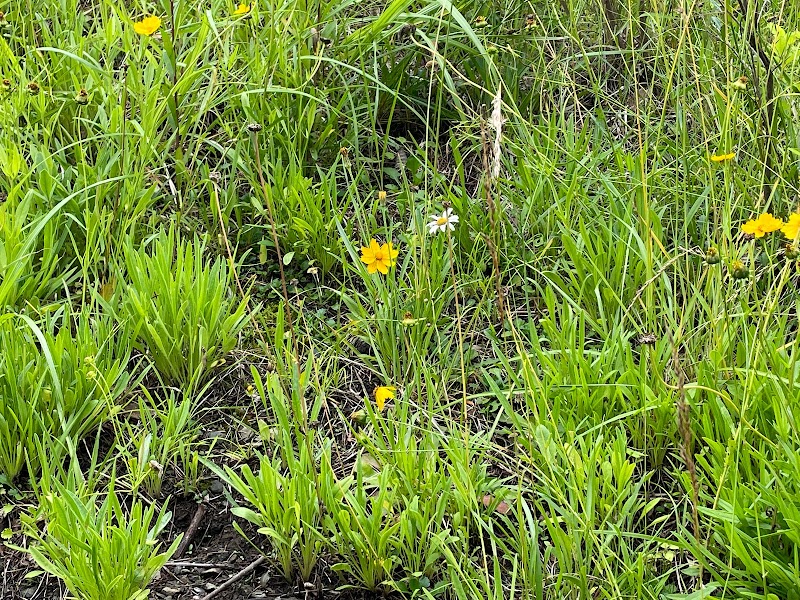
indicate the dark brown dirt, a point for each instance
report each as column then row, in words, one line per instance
column 217, row 551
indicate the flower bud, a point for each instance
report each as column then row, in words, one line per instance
column 739, row 270
column 82, row 97
column 712, row 256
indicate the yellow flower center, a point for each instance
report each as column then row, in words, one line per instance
column 441, row 221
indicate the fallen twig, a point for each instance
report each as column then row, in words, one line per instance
column 198, row 565
column 241, row 574
column 191, row 531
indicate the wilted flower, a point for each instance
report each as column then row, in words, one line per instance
column 712, row 256
column 82, row 97
column 530, row 21
column 444, row 222
column 739, row 270
column 147, row 26
column 33, row 88
column 740, row 83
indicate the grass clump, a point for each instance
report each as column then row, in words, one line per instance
column 530, row 280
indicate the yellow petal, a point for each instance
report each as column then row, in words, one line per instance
column 722, row 157
column 792, row 226
column 767, row 223
column 372, row 267
column 382, row 394
column 147, row 26
column 383, row 267
column 751, row 227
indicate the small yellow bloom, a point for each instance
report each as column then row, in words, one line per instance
column 242, row 9
column 763, row 225
column 378, row 258
column 382, row 394
column 718, row 158
column 792, row 226
column 147, row 26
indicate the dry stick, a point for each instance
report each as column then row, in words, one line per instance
column 487, row 186
column 197, row 565
column 191, row 531
column 240, row 575
column 684, row 428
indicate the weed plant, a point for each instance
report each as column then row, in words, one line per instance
column 511, row 286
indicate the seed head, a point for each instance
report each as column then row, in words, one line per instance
column 739, row 270
column 712, row 256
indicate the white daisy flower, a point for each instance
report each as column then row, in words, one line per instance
column 444, row 222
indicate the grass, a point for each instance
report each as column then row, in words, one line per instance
column 595, row 372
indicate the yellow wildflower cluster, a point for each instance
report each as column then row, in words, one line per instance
column 150, row 24
column 766, row 223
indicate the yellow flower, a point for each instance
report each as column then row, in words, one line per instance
column 792, row 226
column 763, row 225
column 382, row 394
column 147, row 26
column 378, row 258
column 242, row 9
column 718, row 158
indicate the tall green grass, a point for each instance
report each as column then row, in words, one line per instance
column 596, row 287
